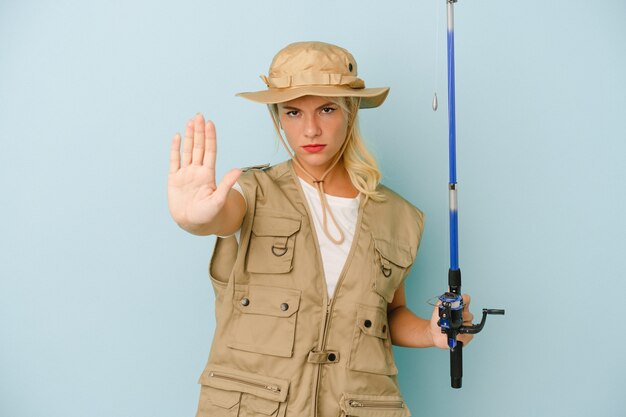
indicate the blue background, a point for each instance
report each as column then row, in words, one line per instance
column 105, row 304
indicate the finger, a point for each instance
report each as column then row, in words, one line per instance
column 175, row 154
column 187, row 144
column 466, row 300
column 465, row 338
column 227, row 183
column 198, row 139
column 210, row 150
column 468, row 318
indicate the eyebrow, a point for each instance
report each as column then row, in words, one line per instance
column 330, row 103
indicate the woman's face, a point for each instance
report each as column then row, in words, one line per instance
column 315, row 128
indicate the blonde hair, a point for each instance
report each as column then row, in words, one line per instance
column 357, row 159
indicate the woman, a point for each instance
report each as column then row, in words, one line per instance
column 309, row 267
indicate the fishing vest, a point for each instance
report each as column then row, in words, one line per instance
column 281, row 347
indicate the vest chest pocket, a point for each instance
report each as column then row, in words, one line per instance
column 393, row 258
column 228, row 392
column 265, row 319
column 371, row 344
column 272, row 244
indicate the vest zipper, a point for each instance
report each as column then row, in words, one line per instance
column 273, row 388
column 375, row 404
column 330, row 302
column 329, row 306
column 323, row 344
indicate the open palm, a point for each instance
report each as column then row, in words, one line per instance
column 193, row 196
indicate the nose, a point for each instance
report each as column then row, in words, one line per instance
column 312, row 127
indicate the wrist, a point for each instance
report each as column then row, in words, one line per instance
column 430, row 335
column 195, row 228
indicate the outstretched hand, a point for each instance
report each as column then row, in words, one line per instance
column 194, row 199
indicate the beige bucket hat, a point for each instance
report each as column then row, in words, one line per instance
column 318, row 69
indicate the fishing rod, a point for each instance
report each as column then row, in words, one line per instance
column 451, row 302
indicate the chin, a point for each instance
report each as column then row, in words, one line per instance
column 315, row 160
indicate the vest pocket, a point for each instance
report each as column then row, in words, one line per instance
column 373, row 406
column 228, row 392
column 371, row 345
column 216, row 402
column 393, row 258
column 265, row 319
column 272, row 244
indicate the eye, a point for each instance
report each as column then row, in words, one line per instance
column 328, row 110
column 292, row 113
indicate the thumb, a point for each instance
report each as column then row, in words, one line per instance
column 227, row 183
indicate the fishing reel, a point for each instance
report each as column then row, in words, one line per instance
column 451, row 323
column 451, row 318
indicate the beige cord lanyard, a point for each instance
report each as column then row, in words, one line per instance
column 319, row 183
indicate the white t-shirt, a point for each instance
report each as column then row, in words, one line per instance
column 346, row 211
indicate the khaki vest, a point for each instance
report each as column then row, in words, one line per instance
column 281, row 347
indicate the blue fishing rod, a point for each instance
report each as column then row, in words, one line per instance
column 451, row 302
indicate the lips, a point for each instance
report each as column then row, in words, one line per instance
column 314, row 148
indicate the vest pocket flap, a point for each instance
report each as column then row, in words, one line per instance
column 223, row 399
column 273, row 389
column 267, row 301
column 275, row 226
column 360, row 405
column 372, row 321
column 262, row 406
column 394, row 251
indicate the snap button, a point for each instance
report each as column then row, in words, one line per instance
column 284, row 306
column 367, row 323
column 332, row 357
column 245, row 301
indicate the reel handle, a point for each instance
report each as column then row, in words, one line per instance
column 475, row 328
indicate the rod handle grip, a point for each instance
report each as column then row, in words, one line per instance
column 456, row 365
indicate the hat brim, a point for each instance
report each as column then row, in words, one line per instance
column 370, row 97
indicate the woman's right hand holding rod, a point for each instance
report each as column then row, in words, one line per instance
column 196, row 203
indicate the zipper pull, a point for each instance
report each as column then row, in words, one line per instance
column 353, row 403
